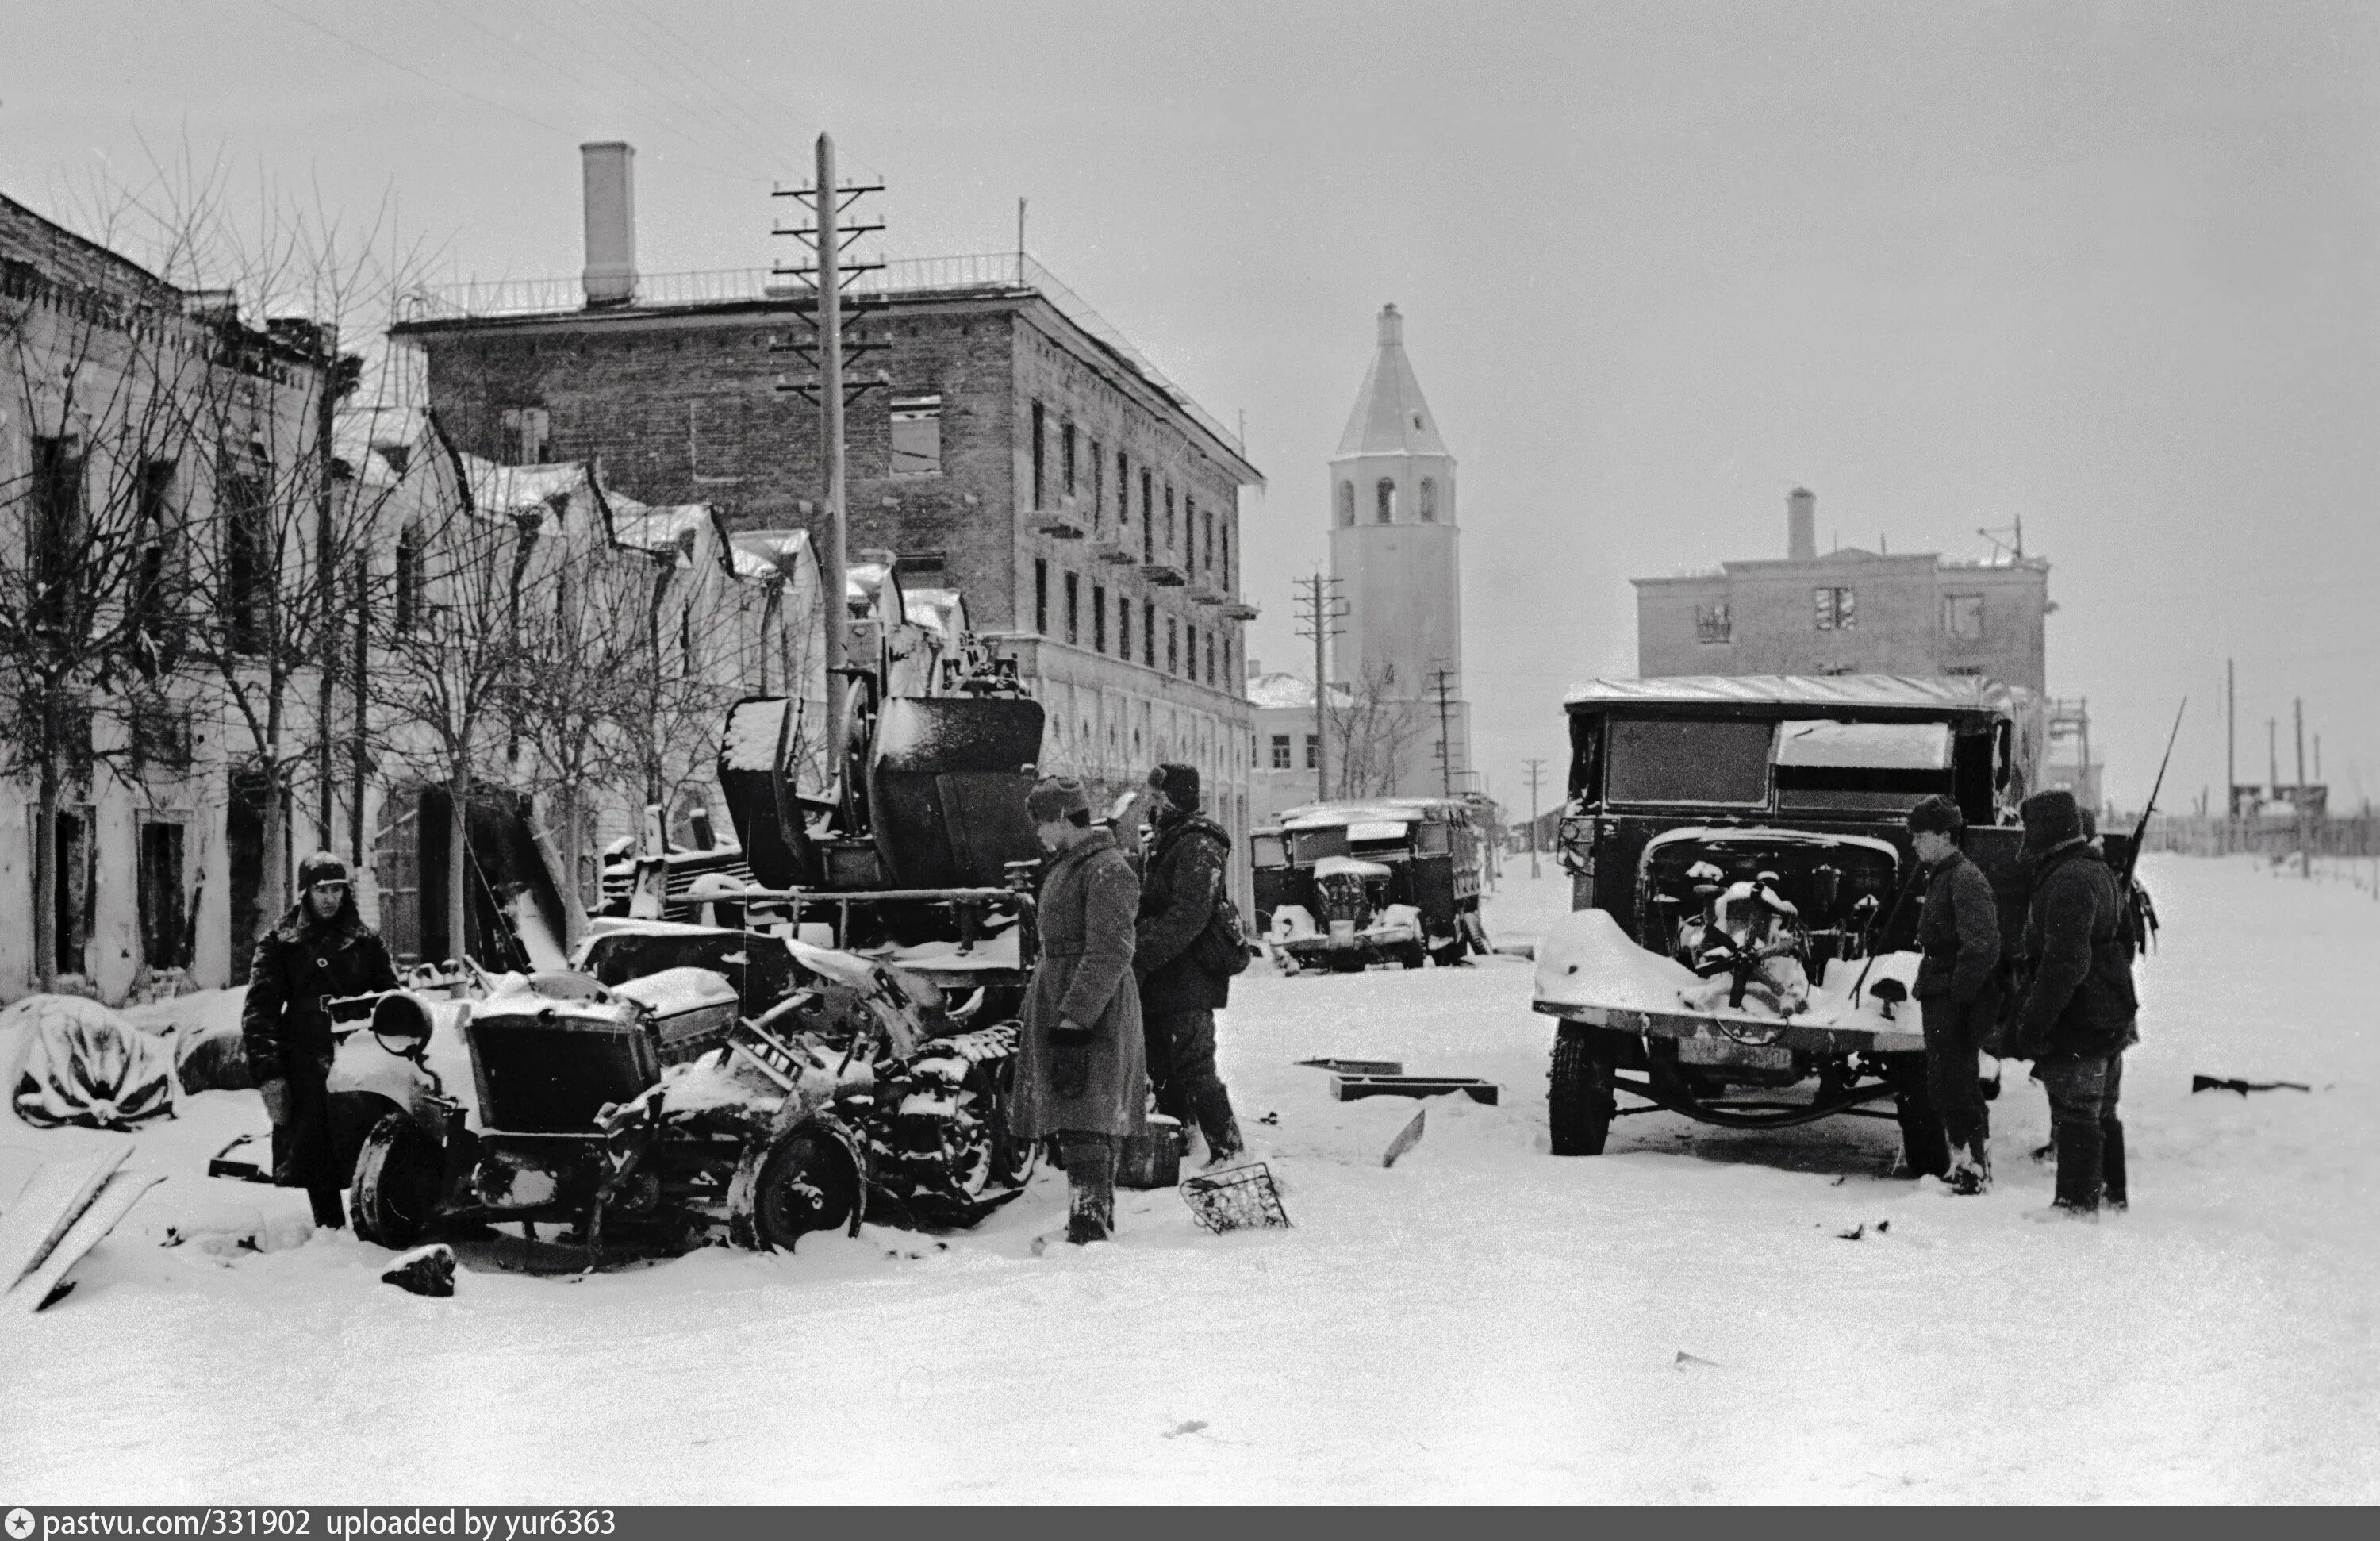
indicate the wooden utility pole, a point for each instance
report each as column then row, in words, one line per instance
column 2230, row 755
column 827, row 237
column 2305, row 858
column 1318, row 605
column 1536, row 770
column 1441, row 683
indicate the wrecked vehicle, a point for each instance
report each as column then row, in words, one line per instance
column 653, row 1104
column 1342, row 886
column 1740, row 950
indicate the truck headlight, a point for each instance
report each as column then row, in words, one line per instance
column 401, row 1023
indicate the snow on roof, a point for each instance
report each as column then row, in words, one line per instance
column 1951, row 692
column 1824, row 742
column 1282, row 691
column 1332, row 816
column 943, row 611
column 643, row 528
column 760, row 553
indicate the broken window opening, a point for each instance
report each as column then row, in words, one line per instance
column 917, row 434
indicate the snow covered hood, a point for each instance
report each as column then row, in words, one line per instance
column 1332, row 866
column 1946, row 693
column 1759, row 834
column 1332, row 816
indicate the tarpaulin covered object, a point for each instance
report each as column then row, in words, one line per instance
column 86, row 1064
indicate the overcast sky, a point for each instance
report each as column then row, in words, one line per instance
column 2108, row 267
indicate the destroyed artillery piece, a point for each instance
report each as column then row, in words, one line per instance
column 843, row 1049
column 1741, row 865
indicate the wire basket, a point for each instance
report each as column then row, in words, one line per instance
column 1242, row 1199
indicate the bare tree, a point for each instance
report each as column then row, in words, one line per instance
column 1372, row 727
column 88, row 516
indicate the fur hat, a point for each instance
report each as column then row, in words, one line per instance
column 321, row 867
column 1179, row 782
column 1936, row 816
column 1054, row 798
column 2051, row 819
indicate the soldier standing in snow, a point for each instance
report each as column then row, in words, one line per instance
column 321, row 951
column 1179, row 961
column 1959, row 935
column 2078, row 1011
column 1081, row 1075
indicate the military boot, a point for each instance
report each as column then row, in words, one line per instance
column 1090, row 1188
column 2111, row 1165
column 1217, row 1122
column 2080, row 1152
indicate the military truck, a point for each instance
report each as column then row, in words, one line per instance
column 1342, row 886
column 1742, row 938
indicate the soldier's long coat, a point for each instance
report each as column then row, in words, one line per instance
column 1088, row 901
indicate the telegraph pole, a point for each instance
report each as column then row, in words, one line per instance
column 1441, row 683
column 827, row 275
column 1536, row 770
column 2305, row 858
column 2230, row 755
column 1318, row 605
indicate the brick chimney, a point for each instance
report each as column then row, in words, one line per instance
column 1802, row 525
column 608, row 173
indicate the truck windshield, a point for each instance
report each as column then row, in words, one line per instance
column 1657, row 761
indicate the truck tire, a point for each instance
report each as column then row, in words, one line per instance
column 1924, row 1149
column 805, row 1182
column 1412, row 954
column 395, row 1194
column 1580, row 1101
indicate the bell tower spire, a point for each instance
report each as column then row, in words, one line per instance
column 1394, row 541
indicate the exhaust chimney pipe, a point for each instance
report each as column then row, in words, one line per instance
column 1801, row 520
column 608, row 173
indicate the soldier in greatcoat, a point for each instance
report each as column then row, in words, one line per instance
column 1083, row 1073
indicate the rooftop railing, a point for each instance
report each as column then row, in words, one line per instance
column 995, row 272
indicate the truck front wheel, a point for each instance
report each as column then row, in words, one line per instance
column 1580, row 1101
column 396, row 1181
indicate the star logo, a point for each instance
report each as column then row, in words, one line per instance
column 20, row 1524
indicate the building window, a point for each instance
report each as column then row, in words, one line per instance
column 154, row 603
column 1223, row 549
column 1207, row 542
column 685, row 641
column 1098, row 486
column 242, row 500
column 1038, row 419
column 1346, row 502
column 1098, row 608
column 1170, row 547
column 1714, row 623
column 1173, row 646
column 917, row 434
column 1281, row 751
column 1041, row 596
column 1123, row 496
column 1384, row 501
column 408, row 579
column 1965, row 671
column 1190, row 651
column 1148, row 635
column 1429, row 500
column 1066, row 457
column 1837, row 609
column 1313, row 752
column 1147, row 516
column 1124, row 628
column 526, row 431
column 1073, row 611
column 1210, row 657
column 1962, row 617
column 1190, row 535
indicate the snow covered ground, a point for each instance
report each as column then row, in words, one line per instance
column 1481, row 1322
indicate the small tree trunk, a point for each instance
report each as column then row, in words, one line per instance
column 45, row 879
column 458, row 849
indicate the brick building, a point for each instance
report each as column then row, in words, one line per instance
column 1020, row 453
column 1847, row 611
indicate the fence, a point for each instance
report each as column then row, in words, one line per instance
column 2211, row 835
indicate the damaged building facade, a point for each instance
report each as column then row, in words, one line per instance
column 154, row 451
column 1017, row 456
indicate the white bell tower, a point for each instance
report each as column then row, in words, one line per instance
column 1393, row 549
